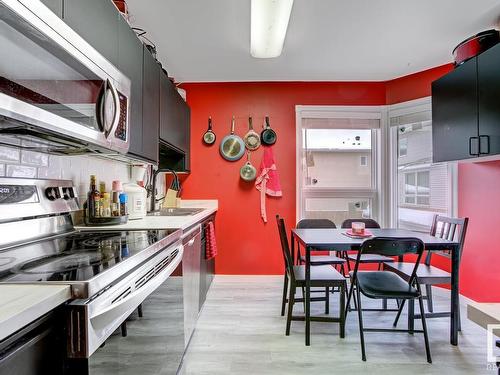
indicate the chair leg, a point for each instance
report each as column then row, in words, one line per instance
column 428, row 293
column 304, row 299
column 401, row 305
column 360, row 319
column 291, row 301
column 459, row 328
column 139, row 310
column 424, row 328
column 342, row 309
column 384, row 303
column 411, row 316
column 327, row 300
column 349, row 296
column 285, row 290
column 124, row 329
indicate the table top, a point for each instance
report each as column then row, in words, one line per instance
column 326, row 238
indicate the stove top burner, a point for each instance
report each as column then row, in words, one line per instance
column 77, row 256
column 64, row 262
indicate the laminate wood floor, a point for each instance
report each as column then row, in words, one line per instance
column 240, row 331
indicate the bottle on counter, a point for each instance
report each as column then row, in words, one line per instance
column 123, row 204
column 115, row 198
column 102, row 190
column 93, row 198
column 106, row 205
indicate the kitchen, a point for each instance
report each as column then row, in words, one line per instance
column 144, row 98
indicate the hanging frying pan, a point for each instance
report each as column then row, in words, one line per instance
column 268, row 136
column 248, row 171
column 252, row 138
column 232, row 146
column 209, row 136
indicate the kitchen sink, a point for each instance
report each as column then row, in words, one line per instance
column 183, row 211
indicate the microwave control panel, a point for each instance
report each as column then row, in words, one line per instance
column 121, row 129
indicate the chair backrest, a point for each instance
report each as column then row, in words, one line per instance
column 316, row 224
column 448, row 228
column 287, row 256
column 392, row 246
column 369, row 223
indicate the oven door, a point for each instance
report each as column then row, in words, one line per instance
column 55, row 88
column 154, row 343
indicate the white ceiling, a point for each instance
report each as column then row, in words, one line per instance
column 327, row 40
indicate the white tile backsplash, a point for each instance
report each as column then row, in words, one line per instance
column 30, row 164
column 9, row 154
column 19, row 170
column 34, row 158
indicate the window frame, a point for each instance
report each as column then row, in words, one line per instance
column 374, row 194
column 408, row 108
column 415, row 195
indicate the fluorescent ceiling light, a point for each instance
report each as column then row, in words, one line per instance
column 269, row 22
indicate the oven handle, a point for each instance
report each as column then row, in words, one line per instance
column 116, row 116
column 101, row 319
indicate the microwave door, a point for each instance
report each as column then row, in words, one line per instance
column 47, row 82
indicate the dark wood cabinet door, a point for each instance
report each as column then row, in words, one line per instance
column 55, row 5
column 455, row 114
column 150, row 106
column 175, row 117
column 130, row 62
column 488, row 67
column 97, row 22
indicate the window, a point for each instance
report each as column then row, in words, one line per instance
column 420, row 188
column 337, row 162
column 417, row 188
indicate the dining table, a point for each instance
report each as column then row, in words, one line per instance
column 337, row 240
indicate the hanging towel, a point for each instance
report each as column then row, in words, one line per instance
column 211, row 245
column 268, row 181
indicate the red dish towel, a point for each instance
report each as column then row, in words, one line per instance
column 211, row 245
column 268, row 181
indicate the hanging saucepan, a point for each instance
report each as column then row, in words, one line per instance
column 268, row 136
column 252, row 138
column 248, row 171
column 232, row 146
column 209, row 136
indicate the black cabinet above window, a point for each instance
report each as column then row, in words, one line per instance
column 466, row 110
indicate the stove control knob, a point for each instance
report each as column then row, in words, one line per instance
column 52, row 193
column 68, row 193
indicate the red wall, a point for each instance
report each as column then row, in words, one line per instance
column 478, row 199
column 247, row 245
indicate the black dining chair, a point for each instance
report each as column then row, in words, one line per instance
column 366, row 258
column 320, row 260
column 321, row 276
column 388, row 285
column 428, row 275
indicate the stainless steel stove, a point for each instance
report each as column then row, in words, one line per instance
column 111, row 273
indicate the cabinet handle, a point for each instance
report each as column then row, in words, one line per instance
column 487, row 138
column 470, row 146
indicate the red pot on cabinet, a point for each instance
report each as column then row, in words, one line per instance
column 475, row 45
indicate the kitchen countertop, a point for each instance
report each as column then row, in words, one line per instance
column 23, row 304
column 163, row 222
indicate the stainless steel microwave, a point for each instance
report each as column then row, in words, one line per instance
column 57, row 93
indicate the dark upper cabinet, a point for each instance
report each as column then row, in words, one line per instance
column 55, row 5
column 488, row 66
column 455, row 114
column 97, row 22
column 130, row 56
column 175, row 117
column 150, row 106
